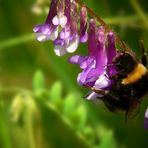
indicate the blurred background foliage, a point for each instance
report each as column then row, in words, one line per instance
column 44, row 108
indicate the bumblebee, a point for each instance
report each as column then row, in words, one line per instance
column 130, row 83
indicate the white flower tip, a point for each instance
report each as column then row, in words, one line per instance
column 90, row 96
column 79, row 80
column 72, row 47
column 41, row 37
column 63, row 21
column 55, row 20
column 94, row 97
column 59, row 50
column 102, row 82
column 74, row 59
column 54, row 34
column 35, row 29
column 146, row 113
column 84, row 38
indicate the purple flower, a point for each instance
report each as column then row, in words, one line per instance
column 83, row 25
column 68, row 40
column 146, row 119
column 95, row 72
column 48, row 30
column 60, row 26
column 60, row 19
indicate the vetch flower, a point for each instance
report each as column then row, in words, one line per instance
column 48, row 30
column 60, row 19
column 68, row 40
column 146, row 119
column 95, row 72
column 61, row 26
column 83, row 25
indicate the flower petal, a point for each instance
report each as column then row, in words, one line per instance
column 63, row 21
column 59, row 50
column 85, row 79
column 102, row 82
column 83, row 25
column 101, row 54
column 92, row 40
column 76, row 59
column 84, row 38
column 73, row 45
column 65, row 33
column 111, row 50
column 46, row 32
column 41, row 37
column 81, row 79
column 146, row 119
column 92, row 96
column 89, row 61
column 111, row 53
column 54, row 34
column 55, row 20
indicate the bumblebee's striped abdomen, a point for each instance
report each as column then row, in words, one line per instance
column 135, row 75
column 140, row 87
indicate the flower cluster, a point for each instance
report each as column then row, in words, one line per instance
column 94, row 66
column 67, row 25
column 61, row 26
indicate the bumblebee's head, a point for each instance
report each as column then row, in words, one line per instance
column 124, row 62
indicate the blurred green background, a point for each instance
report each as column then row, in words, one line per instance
column 41, row 104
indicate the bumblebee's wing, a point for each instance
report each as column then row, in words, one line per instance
column 134, row 108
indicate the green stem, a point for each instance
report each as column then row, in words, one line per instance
column 126, row 20
column 16, row 40
column 140, row 12
column 4, row 133
column 28, row 119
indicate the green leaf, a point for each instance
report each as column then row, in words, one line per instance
column 56, row 131
column 69, row 105
column 38, row 82
column 55, row 93
column 89, row 134
column 5, row 139
column 80, row 117
column 17, row 107
column 106, row 138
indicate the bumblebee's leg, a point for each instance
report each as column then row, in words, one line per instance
column 113, row 77
column 87, row 95
column 99, row 91
column 144, row 54
column 133, row 110
column 96, row 98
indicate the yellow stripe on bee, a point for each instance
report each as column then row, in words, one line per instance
column 135, row 75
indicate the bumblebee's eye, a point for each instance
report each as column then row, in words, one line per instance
column 125, row 63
